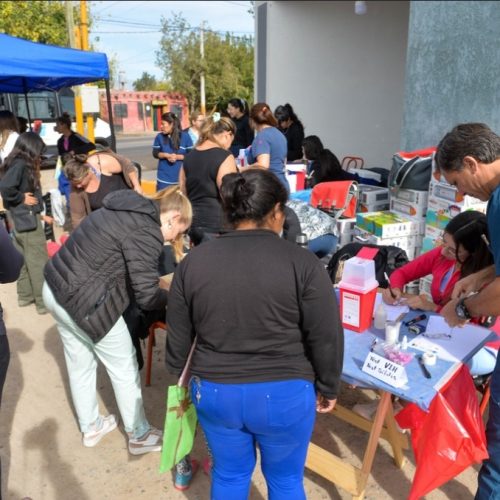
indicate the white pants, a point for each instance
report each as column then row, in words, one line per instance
column 117, row 354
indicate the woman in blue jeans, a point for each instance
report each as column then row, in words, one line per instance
column 269, row 341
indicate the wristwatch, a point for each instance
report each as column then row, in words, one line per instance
column 461, row 310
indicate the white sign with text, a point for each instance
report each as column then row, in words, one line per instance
column 385, row 370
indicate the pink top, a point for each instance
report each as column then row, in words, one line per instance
column 431, row 262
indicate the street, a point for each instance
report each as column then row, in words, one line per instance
column 138, row 148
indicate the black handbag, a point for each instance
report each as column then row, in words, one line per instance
column 24, row 217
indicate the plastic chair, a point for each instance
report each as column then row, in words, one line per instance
column 352, row 162
column 158, row 325
column 338, row 198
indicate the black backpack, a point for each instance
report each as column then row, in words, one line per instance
column 388, row 259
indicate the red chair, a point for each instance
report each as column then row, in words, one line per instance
column 352, row 162
column 158, row 325
column 484, row 389
column 339, row 198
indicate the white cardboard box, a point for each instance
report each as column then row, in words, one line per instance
column 372, row 195
column 408, row 208
column 373, row 207
column 411, row 196
column 384, row 224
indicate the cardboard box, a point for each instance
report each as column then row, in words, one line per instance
column 345, row 239
column 408, row 242
column 384, row 224
column 440, row 212
column 373, row 207
column 372, row 195
column 408, row 208
column 411, row 196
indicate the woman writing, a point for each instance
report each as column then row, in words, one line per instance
column 268, row 337
column 170, row 147
column 201, row 176
column 115, row 249
column 93, row 177
column 268, row 149
column 22, row 197
column 238, row 111
column 463, row 252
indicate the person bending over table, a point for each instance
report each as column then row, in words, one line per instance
column 462, row 253
column 270, row 344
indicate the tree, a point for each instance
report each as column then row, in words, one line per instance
column 228, row 63
column 42, row 21
column 145, row 82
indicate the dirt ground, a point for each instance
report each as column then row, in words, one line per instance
column 43, row 457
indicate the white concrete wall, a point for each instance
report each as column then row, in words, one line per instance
column 343, row 73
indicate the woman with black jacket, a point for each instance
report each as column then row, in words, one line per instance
column 114, row 252
column 22, row 197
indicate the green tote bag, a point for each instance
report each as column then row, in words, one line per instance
column 180, row 420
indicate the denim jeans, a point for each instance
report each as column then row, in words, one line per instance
column 277, row 416
column 489, row 475
column 323, row 245
column 116, row 353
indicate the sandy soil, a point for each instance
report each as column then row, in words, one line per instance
column 42, row 454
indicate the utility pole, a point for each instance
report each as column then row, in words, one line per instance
column 74, row 42
column 202, row 76
column 84, row 32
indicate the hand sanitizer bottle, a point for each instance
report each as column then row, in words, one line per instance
column 380, row 317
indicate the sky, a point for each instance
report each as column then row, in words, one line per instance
column 130, row 30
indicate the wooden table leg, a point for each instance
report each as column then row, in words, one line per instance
column 394, row 438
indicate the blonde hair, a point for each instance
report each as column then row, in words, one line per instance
column 172, row 199
column 211, row 128
column 76, row 168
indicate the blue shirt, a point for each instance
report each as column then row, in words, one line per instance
column 272, row 142
column 168, row 173
column 493, row 216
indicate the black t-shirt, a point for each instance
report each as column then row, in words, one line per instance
column 107, row 184
column 294, row 136
column 244, row 134
column 263, row 310
column 201, row 169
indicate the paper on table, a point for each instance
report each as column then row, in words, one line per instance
column 463, row 339
column 392, row 312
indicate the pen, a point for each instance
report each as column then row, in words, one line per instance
column 415, row 320
column 389, row 285
column 425, row 371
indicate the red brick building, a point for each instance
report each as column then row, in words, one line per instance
column 135, row 112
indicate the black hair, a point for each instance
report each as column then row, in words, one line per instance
column 28, row 147
column 468, row 230
column 64, row 119
column 312, row 147
column 175, row 135
column 239, row 103
column 286, row 112
column 467, row 139
column 327, row 168
column 251, row 195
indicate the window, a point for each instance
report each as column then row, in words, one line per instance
column 42, row 105
column 120, row 110
column 140, row 110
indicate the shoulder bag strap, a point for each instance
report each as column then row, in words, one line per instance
column 185, row 375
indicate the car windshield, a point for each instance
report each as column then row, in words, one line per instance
column 42, row 105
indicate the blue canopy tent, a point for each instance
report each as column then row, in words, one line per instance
column 34, row 67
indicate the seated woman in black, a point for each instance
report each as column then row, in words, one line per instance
column 327, row 168
column 292, row 128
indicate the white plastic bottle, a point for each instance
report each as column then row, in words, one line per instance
column 380, row 317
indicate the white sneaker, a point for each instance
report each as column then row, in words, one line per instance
column 151, row 441
column 91, row 438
